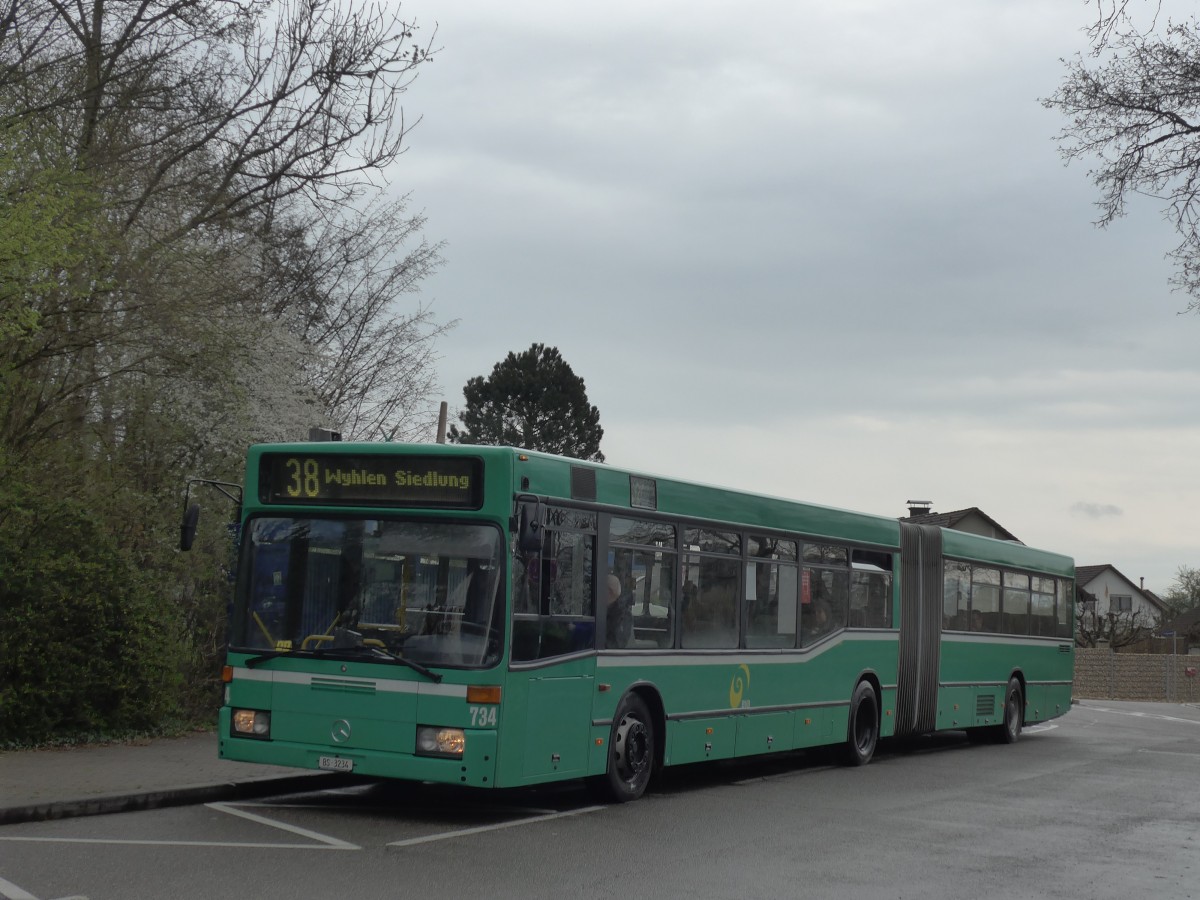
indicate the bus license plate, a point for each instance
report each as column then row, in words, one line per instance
column 335, row 764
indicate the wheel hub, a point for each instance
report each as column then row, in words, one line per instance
column 632, row 748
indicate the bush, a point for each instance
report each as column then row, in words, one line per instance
column 88, row 642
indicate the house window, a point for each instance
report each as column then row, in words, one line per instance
column 1120, row 603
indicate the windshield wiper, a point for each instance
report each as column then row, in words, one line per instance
column 347, row 644
column 379, row 652
column 271, row 654
column 347, row 653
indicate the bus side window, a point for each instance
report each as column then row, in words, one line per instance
column 553, row 607
column 956, row 596
column 710, row 618
column 870, row 589
column 828, row 594
column 770, row 591
column 642, row 557
column 870, row 599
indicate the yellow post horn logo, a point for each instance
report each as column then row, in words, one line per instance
column 737, row 687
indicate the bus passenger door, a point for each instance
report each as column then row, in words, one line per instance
column 554, row 633
column 558, row 721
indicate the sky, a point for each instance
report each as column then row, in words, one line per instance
column 826, row 251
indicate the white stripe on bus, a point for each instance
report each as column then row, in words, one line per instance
column 383, row 685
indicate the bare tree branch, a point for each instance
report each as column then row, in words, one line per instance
column 1136, row 119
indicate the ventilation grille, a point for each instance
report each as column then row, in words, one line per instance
column 583, row 483
column 985, row 706
column 343, row 685
column 1064, row 648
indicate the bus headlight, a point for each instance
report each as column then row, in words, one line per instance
column 433, row 740
column 251, row 723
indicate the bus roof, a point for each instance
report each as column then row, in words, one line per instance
column 559, row 477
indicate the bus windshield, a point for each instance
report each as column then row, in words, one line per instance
column 429, row 592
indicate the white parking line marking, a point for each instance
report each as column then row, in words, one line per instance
column 447, row 835
column 1169, row 752
column 524, row 810
column 251, row 846
column 12, row 892
column 1141, row 715
column 324, row 841
column 332, row 842
column 1040, row 726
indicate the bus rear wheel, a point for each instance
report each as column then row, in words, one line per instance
column 1009, row 730
column 862, row 733
column 631, row 751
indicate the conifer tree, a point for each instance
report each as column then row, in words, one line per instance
column 532, row 400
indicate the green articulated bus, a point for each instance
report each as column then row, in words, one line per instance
column 495, row 617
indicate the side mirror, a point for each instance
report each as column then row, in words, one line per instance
column 191, row 511
column 529, row 529
column 187, row 529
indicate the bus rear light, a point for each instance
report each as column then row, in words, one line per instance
column 483, row 693
column 227, row 674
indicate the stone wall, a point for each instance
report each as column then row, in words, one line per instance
column 1101, row 674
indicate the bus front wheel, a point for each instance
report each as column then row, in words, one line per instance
column 862, row 733
column 631, row 751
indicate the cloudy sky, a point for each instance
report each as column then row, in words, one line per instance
column 819, row 250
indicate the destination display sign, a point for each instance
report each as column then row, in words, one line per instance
column 416, row 481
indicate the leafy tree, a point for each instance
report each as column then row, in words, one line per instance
column 1134, row 108
column 226, row 138
column 533, row 400
column 194, row 255
column 1184, row 594
column 41, row 231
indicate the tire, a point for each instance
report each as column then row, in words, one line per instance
column 631, row 751
column 862, row 732
column 1009, row 730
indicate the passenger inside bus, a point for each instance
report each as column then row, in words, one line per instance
column 619, row 627
column 816, row 621
column 822, row 619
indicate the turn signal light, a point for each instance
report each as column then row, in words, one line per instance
column 483, row 693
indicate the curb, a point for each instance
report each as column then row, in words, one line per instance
column 107, row 804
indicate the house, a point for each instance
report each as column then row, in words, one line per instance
column 1103, row 589
column 972, row 520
